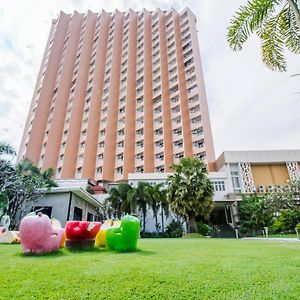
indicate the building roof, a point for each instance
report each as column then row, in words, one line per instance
column 257, row 156
column 79, row 191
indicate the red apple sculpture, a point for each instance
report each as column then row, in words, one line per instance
column 81, row 234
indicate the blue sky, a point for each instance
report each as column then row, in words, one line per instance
column 250, row 106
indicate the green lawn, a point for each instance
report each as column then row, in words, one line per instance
column 278, row 235
column 162, row 269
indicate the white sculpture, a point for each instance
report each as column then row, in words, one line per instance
column 5, row 221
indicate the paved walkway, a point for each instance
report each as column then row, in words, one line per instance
column 289, row 240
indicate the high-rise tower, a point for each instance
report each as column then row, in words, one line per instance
column 119, row 93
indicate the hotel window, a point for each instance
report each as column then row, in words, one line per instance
column 119, row 170
column 178, row 143
column 120, row 144
column 196, row 119
column 140, row 132
column 159, row 156
column 174, row 89
column 157, row 100
column 198, row 144
column 177, row 131
column 192, row 89
column 139, row 169
column 140, row 156
column 194, row 109
column 159, row 143
column 120, row 156
column 178, row 155
column 186, row 38
column 140, row 144
column 185, row 31
column 235, row 181
column 200, row 155
column 160, row 169
column 197, row 131
column 218, row 186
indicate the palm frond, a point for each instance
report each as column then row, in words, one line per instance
column 249, row 18
column 290, row 30
column 6, row 148
column 272, row 44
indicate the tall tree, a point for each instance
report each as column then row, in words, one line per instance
column 120, row 199
column 164, row 208
column 6, row 148
column 155, row 194
column 26, row 168
column 190, row 191
column 276, row 22
column 142, row 201
column 21, row 183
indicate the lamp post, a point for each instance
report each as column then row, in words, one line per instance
column 266, row 232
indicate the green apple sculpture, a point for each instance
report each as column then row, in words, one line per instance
column 124, row 238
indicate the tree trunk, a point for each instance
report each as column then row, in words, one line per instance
column 144, row 222
column 192, row 224
column 296, row 11
column 162, row 221
column 156, row 224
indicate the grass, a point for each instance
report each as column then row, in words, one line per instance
column 279, row 235
column 161, row 269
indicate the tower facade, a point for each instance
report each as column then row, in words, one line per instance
column 119, row 93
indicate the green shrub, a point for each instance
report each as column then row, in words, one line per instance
column 287, row 220
column 204, row 229
column 193, row 236
column 298, row 227
column 174, row 229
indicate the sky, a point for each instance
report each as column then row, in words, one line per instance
column 251, row 107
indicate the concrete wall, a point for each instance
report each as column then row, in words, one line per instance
column 60, row 204
column 85, row 206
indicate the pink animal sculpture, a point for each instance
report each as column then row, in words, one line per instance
column 38, row 235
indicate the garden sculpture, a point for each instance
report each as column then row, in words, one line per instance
column 5, row 222
column 9, row 237
column 81, row 234
column 38, row 235
column 124, row 237
column 101, row 236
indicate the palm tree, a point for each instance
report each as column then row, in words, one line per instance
column 27, row 168
column 120, row 199
column 164, row 208
column 154, row 194
column 277, row 23
column 190, row 191
column 141, row 200
column 6, row 148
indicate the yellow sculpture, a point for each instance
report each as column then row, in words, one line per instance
column 101, row 236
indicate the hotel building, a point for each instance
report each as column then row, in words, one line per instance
column 119, row 93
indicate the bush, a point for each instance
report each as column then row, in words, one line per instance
column 204, row 229
column 174, row 229
column 298, row 227
column 288, row 220
column 193, row 236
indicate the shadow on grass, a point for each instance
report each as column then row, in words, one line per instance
column 66, row 252
column 58, row 253
column 137, row 251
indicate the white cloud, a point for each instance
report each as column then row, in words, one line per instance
column 250, row 106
